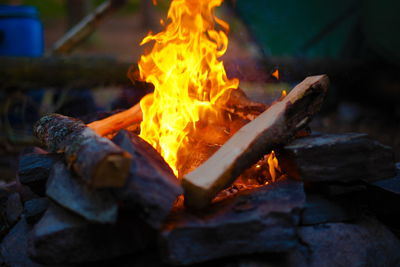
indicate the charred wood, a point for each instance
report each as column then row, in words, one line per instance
column 337, row 158
column 95, row 159
column 255, row 221
column 273, row 128
column 95, row 205
column 152, row 188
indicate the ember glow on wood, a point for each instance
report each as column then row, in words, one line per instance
column 276, row 126
column 97, row 160
column 118, row 121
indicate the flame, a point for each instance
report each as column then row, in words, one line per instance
column 188, row 76
column 273, row 165
column 276, row 74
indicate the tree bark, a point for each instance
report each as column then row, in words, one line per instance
column 97, row 160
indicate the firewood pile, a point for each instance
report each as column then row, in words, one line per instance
column 103, row 198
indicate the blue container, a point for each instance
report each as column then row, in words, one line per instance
column 21, row 32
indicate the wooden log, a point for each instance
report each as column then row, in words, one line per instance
column 152, row 188
column 95, row 205
column 97, row 160
column 254, row 221
column 337, row 158
column 273, row 128
column 118, row 121
column 238, row 103
column 66, row 72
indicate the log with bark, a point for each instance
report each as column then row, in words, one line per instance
column 97, row 160
column 273, row 128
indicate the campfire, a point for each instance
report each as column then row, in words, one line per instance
column 197, row 171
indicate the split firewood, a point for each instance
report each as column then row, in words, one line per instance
column 273, row 128
column 97, row 160
column 118, row 121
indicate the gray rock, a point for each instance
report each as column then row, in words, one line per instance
column 61, row 237
column 34, row 170
column 14, row 208
column 338, row 157
column 319, row 209
column 96, row 205
column 152, row 188
column 259, row 220
column 14, row 246
column 35, row 208
column 365, row 243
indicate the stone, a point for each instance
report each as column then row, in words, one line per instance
column 364, row 243
column 14, row 208
column 34, row 170
column 152, row 188
column 61, row 237
column 337, row 158
column 319, row 209
column 14, row 246
column 95, row 205
column 254, row 221
column 35, row 208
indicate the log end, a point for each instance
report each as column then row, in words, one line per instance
column 112, row 171
column 195, row 196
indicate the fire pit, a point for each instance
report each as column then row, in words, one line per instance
column 198, row 173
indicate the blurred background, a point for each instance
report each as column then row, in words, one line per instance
column 73, row 56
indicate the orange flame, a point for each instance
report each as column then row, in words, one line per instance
column 189, row 78
column 276, row 74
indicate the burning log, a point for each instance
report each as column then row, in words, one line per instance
column 275, row 127
column 238, row 103
column 151, row 188
column 255, row 221
column 338, row 158
column 96, row 159
column 95, row 205
column 119, row 121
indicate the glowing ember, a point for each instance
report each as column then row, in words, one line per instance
column 188, row 76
